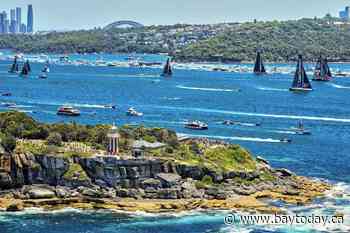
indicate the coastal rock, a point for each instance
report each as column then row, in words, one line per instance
column 284, row 172
column 151, row 183
column 62, row 192
column 168, row 193
column 193, row 172
column 5, row 180
column 15, row 206
column 168, row 179
column 40, row 193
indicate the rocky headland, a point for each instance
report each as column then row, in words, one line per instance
column 179, row 175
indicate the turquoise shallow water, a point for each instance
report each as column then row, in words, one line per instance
column 194, row 94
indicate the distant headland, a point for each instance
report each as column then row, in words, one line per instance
column 280, row 41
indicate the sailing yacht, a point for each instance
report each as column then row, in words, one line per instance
column 259, row 67
column 44, row 71
column 14, row 68
column 322, row 71
column 301, row 82
column 300, row 129
column 167, row 71
column 26, row 69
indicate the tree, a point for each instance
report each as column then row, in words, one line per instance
column 54, row 139
column 9, row 143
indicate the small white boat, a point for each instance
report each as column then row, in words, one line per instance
column 285, row 140
column 133, row 112
column 196, row 125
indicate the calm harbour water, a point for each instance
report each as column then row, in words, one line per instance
column 192, row 94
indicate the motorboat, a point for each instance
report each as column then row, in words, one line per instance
column 6, row 94
column 110, row 106
column 133, row 112
column 285, row 140
column 231, row 122
column 68, row 111
column 196, row 125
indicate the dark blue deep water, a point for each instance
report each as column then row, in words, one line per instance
column 190, row 94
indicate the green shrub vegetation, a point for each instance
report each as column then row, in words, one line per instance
column 75, row 171
column 280, row 41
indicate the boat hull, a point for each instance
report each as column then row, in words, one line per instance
column 68, row 114
column 299, row 89
column 196, row 128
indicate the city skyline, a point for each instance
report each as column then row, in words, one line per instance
column 11, row 22
column 155, row 12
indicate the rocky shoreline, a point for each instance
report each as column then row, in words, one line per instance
column 64, row 165
column 153, row 186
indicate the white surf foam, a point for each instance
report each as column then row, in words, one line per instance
column 207, row 89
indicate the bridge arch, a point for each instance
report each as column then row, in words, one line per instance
column 122, row 23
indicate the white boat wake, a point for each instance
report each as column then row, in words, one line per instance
column 247, row 139
column 207, row 89
column 338, row 86
column 271, row 89
column 294, row 117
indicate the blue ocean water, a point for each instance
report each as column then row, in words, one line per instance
column 191, row 94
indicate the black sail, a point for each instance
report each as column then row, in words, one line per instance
column 167, row 71
column 322, row 70
column 259, row 67
column 328, row 70
column 14, row 67
column 26, row 68
column 301, row 80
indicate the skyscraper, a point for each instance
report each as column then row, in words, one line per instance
column 345, row 14
column 2, row 23
column 19, row 18
column 13, row 23
column 30, row 19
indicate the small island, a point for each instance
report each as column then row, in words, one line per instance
column 134, row 168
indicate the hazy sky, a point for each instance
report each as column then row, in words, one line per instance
column 78, row 14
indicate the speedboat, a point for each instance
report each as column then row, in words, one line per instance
column 110, row 106
column 196, row 125
column 133, row 112
column 6, row 94
column 43, row 75
column 285, row 140
column 68, row 111
column 231, row 122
